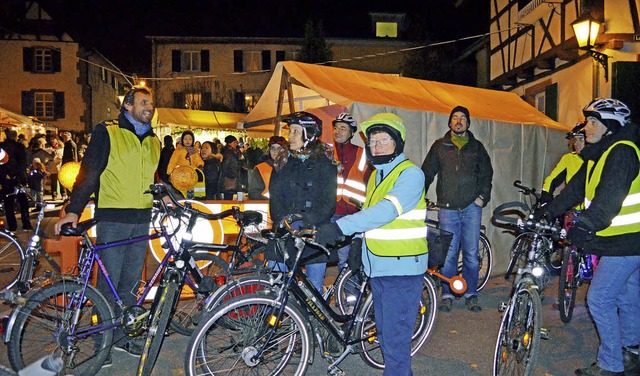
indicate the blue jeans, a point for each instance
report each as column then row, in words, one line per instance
column 464, row 224
column 395, row 304
column 614, row 303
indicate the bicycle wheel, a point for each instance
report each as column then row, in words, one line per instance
column 371, row 352
column 230, row 336
column 11, row 259
column 518, row 254
column 485, row 261
column 192, row 302
column 236, row 287
column 569, row 278
column 46, row 325
column 519, row 336
column 347, row 292
column 157, row 327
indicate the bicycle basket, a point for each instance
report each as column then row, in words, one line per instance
column 438, row 241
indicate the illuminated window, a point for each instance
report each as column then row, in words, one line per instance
column 386, row 29
column 250, row 101
column 540, row 101
column 191, row 60
column 43, row 105
column 43, row 60
column 252, row 61
column 193, row 101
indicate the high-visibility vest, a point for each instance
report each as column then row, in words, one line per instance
column 353, row 184
column 627, row 220
column 265, row 171
column 406, row 235
column 129, row 171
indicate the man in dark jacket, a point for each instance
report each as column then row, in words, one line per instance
column 120, row 164
column 12, row 174
column 464, row 186
column 230, row 173
column 608, row 184
column 165, row 157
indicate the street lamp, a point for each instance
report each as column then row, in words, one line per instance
column 587, row 29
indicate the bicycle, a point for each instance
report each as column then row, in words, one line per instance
column 577, row 267
column 276, row 325
column 71, row 318
column 521, row 330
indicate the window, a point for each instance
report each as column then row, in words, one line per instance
column 386, row 29
column 41, row 60
column 103, row 72
column 190, row 61
column 252, row 61
column 193, row 101
column 540, row 101
column 250, row 101
column 43, row 105
column 279, row 56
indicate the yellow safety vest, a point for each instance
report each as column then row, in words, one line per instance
column 130, row 170
column 571, row 162
column 628, row 219
column 407, row 234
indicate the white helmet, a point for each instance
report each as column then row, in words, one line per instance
column 607, row 110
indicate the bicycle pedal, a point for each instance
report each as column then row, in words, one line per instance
column 502, row 307
column 544, row 333
column 335, row 371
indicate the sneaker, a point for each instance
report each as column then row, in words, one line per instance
column 594, row 370
column 133, row 346
column 445, row 305
column 472, row 304
column 631, row 362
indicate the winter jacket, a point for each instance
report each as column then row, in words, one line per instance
column 230, row 169
column 620, row 169
column 463, row 174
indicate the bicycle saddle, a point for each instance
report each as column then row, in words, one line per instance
column 82, row 227
column 251, row 217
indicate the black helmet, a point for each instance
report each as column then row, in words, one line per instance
column 578, row 130
column 311, row 124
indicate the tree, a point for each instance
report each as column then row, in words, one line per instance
column 314, row 47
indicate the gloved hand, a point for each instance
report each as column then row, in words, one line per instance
column 355, row 254
column 328, row 234
column 545, row 197
column 540, row 214
column 581, row 233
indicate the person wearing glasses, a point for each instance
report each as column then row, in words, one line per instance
column 464, row 172
column 569, row 164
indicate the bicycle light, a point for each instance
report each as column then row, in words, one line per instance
column 537, row 271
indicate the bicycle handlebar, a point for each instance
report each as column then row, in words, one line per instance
column 541, row 227
column 526, row 190
column 160, row 189
column 306, row 235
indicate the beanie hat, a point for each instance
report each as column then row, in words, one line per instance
column 460, row 109
column 229, row 139
column 277, row 140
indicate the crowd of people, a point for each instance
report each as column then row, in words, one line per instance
column 367, row 203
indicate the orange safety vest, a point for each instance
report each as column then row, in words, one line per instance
column 265, row 171
column 353, row 185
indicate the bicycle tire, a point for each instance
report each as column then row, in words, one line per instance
column 45, row 317
column 347, row 292
column 371, row 352
column 157, row 327
column 12, row 258
column 485, row 261
column 569, row 278
column 190, row 304
column 236, row 287
column 518, row 340
column 234, row 331
column 518, row 254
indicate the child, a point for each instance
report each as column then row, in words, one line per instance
column 36, row 177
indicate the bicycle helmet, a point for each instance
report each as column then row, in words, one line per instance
column 310, row 123
column 391, row 124
column 578, row 130
column 346, row 118
column 611, row 112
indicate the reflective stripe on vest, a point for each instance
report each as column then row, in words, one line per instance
column 406, row 235
column 265, row 171
column 628, row 219
column 353, row 186
column 129, row 171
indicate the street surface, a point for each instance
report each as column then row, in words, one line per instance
column 461, row 343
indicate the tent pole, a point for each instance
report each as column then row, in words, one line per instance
column 285, row 84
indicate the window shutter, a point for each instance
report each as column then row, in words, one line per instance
column 207, row 101
column 178, row 100
column 56, row 60
column 266, row 60
column 551, row 101
column 624, row 85
column 237, row 61
column 27, row 59
column 239, row 104
column 204, row 60
column 27, row 103
column 58, row 104
column 176, row 63
column 279, row 56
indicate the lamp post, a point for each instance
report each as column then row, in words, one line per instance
column 587, row 29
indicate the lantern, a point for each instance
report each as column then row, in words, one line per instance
column 68, row 173
column 184, row 178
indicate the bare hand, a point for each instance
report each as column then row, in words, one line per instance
column 68, row 218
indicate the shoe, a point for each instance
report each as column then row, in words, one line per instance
column 133, row 347
column 27, row 228
column 13, row 229
column 472, row 304
column 631, row 362
column 445, row 305
column 594, row 370
column 108, row 362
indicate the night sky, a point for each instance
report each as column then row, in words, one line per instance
column 118, row 28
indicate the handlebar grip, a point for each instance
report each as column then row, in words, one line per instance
column 509, row 205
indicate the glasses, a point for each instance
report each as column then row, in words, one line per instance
column 341, row 129
column 380, row 141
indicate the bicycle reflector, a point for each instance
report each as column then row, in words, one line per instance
column 458, row 285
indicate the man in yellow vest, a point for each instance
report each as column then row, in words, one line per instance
column 609, row 186
column 394, row 250
column 260, row 176
column 569, row 163
column 118, row 168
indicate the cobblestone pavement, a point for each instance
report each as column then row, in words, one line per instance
column 461, row 343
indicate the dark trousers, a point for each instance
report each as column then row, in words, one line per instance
column 395, row 302
column 10, row 207
column 54, row 185
column 124, row 264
